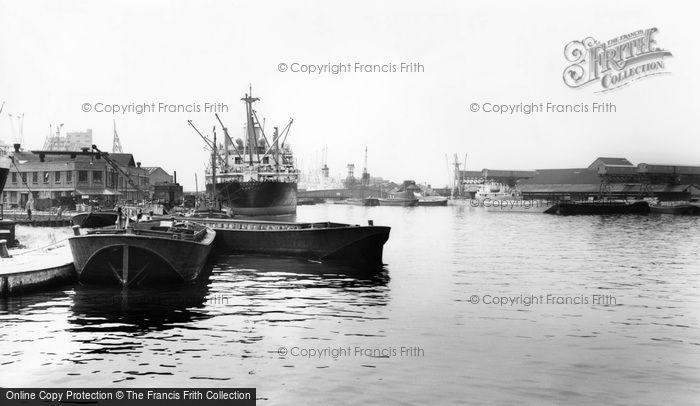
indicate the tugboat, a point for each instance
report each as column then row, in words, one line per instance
column 399, row 199
column 143, row 254
column 255, row 177
column 404, row 196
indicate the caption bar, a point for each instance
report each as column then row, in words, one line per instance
column 123, row 396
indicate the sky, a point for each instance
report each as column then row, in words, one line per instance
column 56, row 55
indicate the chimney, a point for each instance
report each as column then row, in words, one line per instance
column 16, row 147
column 138, row 164
column 174, row 176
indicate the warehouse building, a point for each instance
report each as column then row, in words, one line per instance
column 55, row 178
column 605, row 177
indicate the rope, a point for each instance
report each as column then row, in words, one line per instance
column 41, row 248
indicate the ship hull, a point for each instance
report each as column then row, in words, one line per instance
column 257, row 198
column 95, row 219
column 398, row 202
column 432, row 202
column 136, row 260
column 573, row 208
column 360, row 246
column 684, row 209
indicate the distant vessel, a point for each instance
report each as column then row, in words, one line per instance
column 603, row 207
column 148, row 253
column 432, row 201
column 675, row 208
column 255, row 177
column 403, row 196
column 496, row 191
column 398, row 201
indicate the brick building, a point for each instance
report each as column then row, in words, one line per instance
column 70, row 177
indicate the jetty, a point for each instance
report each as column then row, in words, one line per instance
column 22, row 271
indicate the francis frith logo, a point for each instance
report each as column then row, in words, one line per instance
column 615, row 63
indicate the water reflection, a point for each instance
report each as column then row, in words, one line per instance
column 111, row 309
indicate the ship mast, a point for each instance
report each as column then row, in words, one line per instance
column 277, row 152
column 250, row 124
column 213, row 171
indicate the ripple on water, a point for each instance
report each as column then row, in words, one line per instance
column 227, row 329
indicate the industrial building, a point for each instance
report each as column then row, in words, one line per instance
column 164, row 187
column 605, row 177
column 55, row 178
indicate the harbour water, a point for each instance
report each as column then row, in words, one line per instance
column 473, row 307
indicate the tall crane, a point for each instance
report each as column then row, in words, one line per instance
column 116, row 144
column 365, row 174
column 117, row 168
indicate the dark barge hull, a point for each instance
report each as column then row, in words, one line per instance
column 398, row 202
column 132, row 260
column 257, row 198
column 95, row 219
column 573, row 208
column 441, row 202
column 360, row 246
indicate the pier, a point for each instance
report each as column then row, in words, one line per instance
column 33, row 269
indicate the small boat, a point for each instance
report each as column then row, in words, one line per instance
column 432, row 201
column 360, row 246
column 95, row 219
column 398, row 201
column 145, row 253
column 675, row 208
column 603, row 207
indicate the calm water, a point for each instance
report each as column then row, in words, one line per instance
column 638, row 344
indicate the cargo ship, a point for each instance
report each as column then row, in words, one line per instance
column 254, row 176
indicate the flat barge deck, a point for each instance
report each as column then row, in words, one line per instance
column 357, row 245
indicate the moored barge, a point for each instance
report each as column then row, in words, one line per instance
column 603, row 207
column 360, row 246
column 145, row 253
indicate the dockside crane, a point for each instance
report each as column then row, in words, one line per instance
column 211, row 144
column 116, row 167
